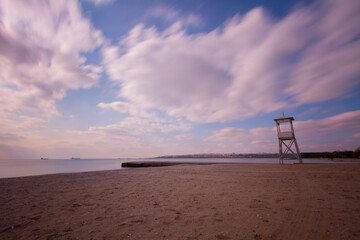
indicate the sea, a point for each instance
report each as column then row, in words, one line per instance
column 31, row 167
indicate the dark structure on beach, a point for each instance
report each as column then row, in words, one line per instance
column 287, row 139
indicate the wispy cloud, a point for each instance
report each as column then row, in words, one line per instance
column 127, row 108
column 309, row 112
column 252, row 64
column 184, row 137
column 356, row 135
column 164, row 12
column 100, row 2
column 134, row 126
column 173, row 15
column 264, row 139
column 348, row 121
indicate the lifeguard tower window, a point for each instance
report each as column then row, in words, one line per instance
column 285, row 131
column 285, row 127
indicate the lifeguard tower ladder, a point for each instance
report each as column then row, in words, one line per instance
column 287, row 139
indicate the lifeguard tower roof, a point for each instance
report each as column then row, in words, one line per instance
column 283, row 119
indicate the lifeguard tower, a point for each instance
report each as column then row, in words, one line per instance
column 287, row 139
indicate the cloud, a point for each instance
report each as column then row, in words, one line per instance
column 135, row 126
column 141, row 121
column 356, row 135
column 309, row 112
column 100, row 2
column 128, row 108
column 119, row 106
column 19, row 136
column 130, row 137
column 16, row 128
column 41, row 43
column 232, row 134
column 252, row 64
column 29, row 137
column 345, row 123
column 167, row 13
column 184, row 137
column 170, row 14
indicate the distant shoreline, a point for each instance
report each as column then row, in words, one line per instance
column 317, row 155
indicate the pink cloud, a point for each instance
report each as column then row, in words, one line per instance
column 135, row 126
column 40, row 45
column 128, row 108
column 251, row 64
column 164, row 12
column 230, row 134
column 100, row 2
column 119, row 106
column 184, row 137
column 170, row 14
column 356, row 135
column 309, row 112
column 342, row 123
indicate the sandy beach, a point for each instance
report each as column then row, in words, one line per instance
column 217, row 201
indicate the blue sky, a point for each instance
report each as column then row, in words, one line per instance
column 103, row 78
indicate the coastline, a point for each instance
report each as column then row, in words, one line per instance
column 217, row 201
column 10, row 168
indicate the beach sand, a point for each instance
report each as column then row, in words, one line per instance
column 218, row 201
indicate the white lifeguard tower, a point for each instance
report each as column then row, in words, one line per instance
column 287, row 138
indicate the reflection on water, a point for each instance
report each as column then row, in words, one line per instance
column 30, row 167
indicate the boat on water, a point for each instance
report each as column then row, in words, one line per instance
column 44, row 158
column 75, row 158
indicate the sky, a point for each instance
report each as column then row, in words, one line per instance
column 124, row 79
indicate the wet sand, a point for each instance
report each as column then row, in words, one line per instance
column 218, row 201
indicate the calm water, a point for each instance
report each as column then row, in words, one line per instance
column 30, row 167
